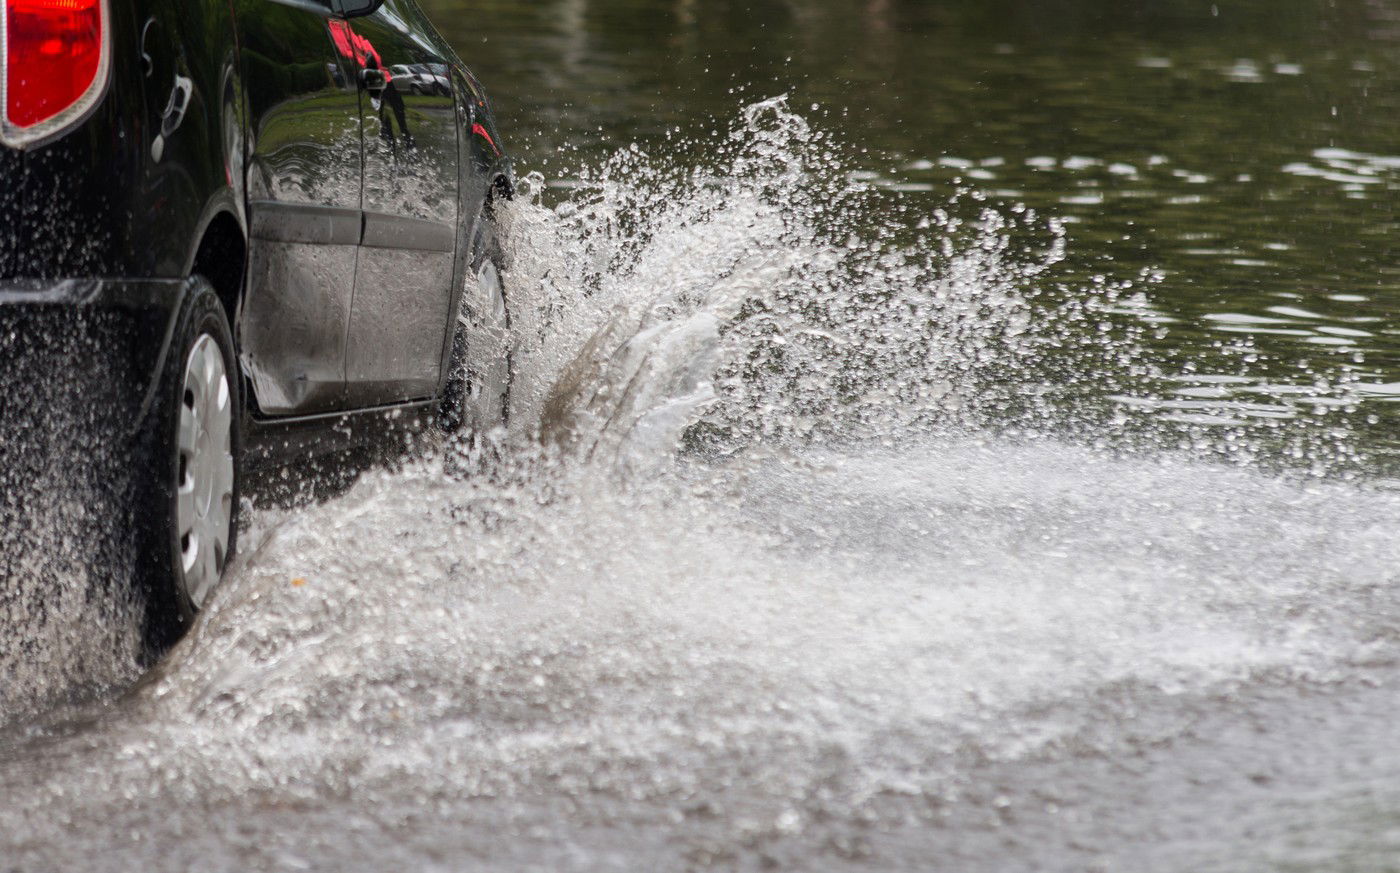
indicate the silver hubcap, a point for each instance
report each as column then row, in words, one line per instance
column 204, row 502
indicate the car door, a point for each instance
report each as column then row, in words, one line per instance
column 304, row 187
column 403, row 282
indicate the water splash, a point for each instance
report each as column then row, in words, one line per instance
column 809, row 549
column 773, row 296
column 68, row 618
column 770, row 297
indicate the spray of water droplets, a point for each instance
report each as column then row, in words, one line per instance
column 782, row 582
column 767, row 297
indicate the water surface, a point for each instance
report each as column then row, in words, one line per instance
column 977, row 458
column 1238, row 156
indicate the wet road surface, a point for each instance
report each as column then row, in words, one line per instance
column 873, row 526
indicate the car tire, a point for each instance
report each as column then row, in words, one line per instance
column 188, row 469
column 476, row 399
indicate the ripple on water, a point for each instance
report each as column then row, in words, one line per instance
column 793, row 574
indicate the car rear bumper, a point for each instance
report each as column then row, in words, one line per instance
column 87, row 351
column 78, row 360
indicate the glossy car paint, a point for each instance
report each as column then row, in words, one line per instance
column 11, row 209
column 66, row 222
column 404, row 280
column 231, row 135
column 304, row 167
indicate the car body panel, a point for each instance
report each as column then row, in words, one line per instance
column 404, row 280
column 65, row 221
column 112, row 332
column 187, row 138
column 303, row 182
column 12, row 237
column 189, row 130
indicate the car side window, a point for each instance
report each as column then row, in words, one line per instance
column 414, row 13
column 318, row 6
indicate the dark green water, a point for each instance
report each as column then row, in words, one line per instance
column 968, row 650
column 1236, row 161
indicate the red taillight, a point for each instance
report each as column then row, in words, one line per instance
column 55, row 58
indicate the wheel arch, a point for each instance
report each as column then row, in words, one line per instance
column 221, row 256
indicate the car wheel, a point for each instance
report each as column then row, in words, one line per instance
column 477, row 396
column 190, row 469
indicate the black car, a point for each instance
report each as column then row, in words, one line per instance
column 250, row 243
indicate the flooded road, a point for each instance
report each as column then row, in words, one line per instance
column 1007, row 655
column 987, row 470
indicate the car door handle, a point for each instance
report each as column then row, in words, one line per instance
column 374, row 81
column 173, row 116
column 177, row 105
